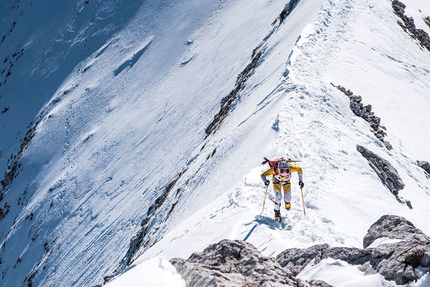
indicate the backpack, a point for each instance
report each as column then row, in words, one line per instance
column 274, row 163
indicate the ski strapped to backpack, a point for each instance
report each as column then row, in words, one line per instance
column 273, row 163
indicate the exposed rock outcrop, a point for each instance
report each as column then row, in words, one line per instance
column 397, row 261
column 237, row 263
column 408, row 25
column 4, row 211
column 297, row 259
column 365, row 112
column 289, row 7
column 424, row 165
column 394, row 227
column 427, row 20
column 384, row 169
column 14, row 163
column 229, row 102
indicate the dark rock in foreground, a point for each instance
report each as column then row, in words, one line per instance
column 238, row 263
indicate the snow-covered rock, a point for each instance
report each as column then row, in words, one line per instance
column 238, row 263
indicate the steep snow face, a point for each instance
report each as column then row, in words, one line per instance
column 117, row 144
column 106, row 108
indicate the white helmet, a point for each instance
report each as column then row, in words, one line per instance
column 283, row 168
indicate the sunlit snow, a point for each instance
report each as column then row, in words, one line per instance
column 121, row 95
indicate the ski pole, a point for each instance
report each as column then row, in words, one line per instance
column 264, row 202
column 303, row 201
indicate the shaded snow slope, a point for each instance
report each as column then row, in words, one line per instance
column 125, row 116
column 119, row 148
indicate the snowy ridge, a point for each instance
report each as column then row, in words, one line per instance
column 305, row 96
column 120, row 168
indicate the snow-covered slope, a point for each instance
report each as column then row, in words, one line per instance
column 109, row 135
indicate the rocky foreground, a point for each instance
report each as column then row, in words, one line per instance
column 238, row 263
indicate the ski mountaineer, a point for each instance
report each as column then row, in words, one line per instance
column 281, row 175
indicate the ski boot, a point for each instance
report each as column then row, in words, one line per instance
column 287, row 205
column 278, row 215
